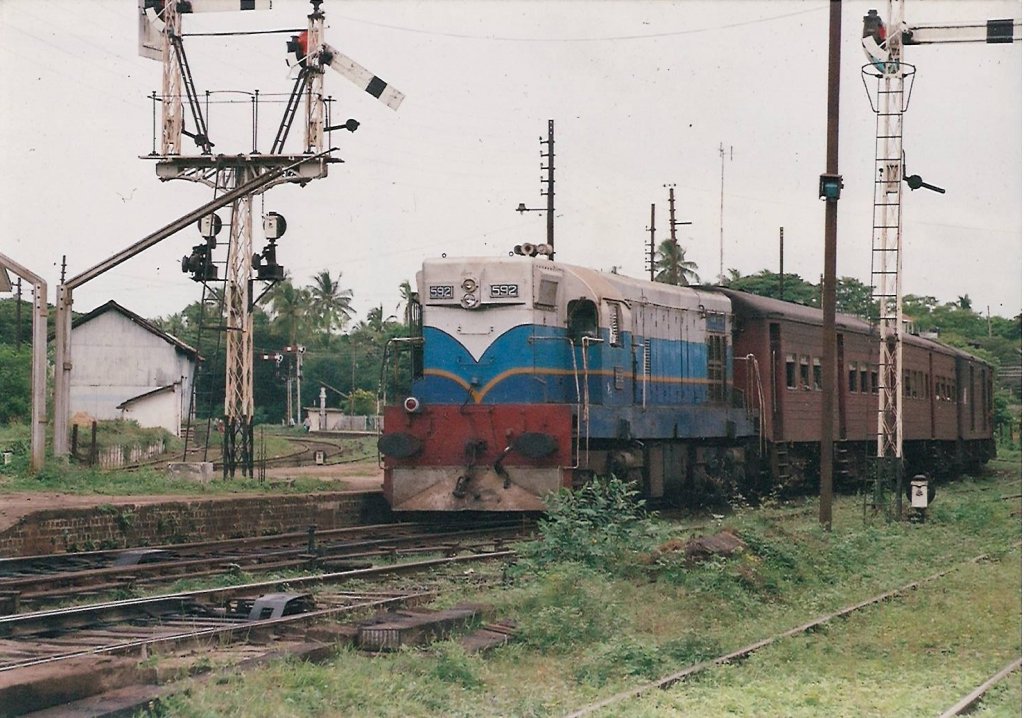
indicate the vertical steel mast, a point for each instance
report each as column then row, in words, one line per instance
column 884, row 42
column 890, row 104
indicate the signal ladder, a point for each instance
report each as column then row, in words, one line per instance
column 884, row 483
column 204, row 389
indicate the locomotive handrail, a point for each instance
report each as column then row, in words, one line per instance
column 586, row 387
column 576, row 379
column 754, row 380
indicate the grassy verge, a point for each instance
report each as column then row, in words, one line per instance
column 602, row 609
column 75, row 478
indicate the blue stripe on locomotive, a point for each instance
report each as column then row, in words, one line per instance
column 531, row 363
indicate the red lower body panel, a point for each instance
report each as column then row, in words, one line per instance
column 475, row 457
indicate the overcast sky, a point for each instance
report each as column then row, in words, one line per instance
column 642, row 95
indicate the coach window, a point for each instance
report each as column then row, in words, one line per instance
column 582, row 319
column 906, row 384
column 874, row 382
column 851, row 370
column 865, row 387
column 791, row 371
column 805, row 371
column 817, row 374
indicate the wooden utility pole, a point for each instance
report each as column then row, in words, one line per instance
column 830, row 185
column 650, row 256
column 17, row 320
column 782, row 276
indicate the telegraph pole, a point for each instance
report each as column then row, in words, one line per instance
column 830, row 185
column 650, row 252
column 782, row 276
column 550, row 182
column 17, row 320
column 549, row 192
column 672, row 223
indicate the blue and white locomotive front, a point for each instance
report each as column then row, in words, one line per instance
column 536, row 374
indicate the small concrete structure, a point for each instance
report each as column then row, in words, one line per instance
column 337, row 420
column 199, row 471
column 128, row 368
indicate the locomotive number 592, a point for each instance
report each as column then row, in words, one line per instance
column 499, row 291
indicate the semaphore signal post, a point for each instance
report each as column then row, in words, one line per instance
column 236, row 179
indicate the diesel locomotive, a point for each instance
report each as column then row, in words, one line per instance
column 531, row 375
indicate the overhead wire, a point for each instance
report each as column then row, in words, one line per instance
column 608, row 38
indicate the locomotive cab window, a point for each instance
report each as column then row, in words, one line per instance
column 582, row 319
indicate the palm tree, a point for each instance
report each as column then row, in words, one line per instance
column 673, row 267
column 290, row 307
column 408, row 304
column 331, row 305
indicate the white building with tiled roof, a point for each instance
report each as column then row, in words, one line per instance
column 125, row 367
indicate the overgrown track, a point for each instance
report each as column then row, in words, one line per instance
column 969, row 702
column 748, row 650
column 225, row 614
column 303, row 455
column 41, row 580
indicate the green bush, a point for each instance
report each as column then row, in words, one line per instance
column 455, row 666
column 597, row 525
column 566, row 608
column 16, row 380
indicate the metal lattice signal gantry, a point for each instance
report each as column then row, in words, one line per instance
column 160, row 38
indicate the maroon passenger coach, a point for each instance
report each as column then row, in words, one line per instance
column 947, row 393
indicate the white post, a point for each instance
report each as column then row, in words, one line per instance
column 323, row 409
column 38, row 428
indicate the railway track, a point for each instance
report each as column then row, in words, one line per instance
column 38, row 581
column 745, row 652
column 304, row 455
column 41, row 653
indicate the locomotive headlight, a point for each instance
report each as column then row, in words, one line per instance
column 469, row 285
column 470, row 301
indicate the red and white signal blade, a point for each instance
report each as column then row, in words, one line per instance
column 356, row 73
column 151, row 25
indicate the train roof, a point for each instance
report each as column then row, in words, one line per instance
column 769, row 308
column 606, row 285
